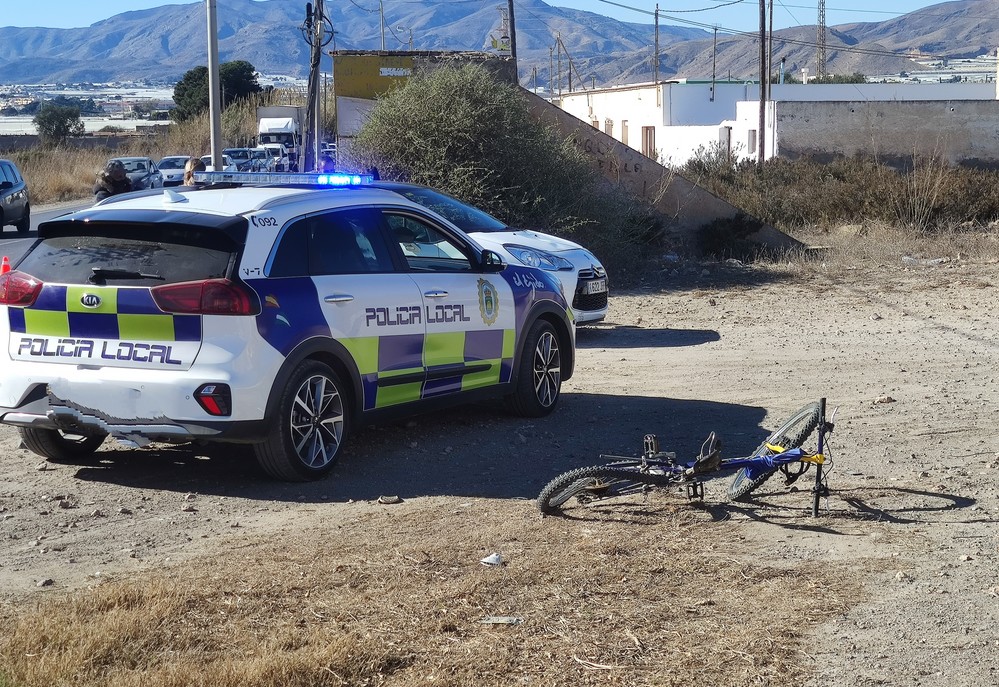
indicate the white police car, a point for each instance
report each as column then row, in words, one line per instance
column 274, row 315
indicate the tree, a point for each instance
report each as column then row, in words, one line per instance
column 237, row 80
column 484, row 147
column 56, row 123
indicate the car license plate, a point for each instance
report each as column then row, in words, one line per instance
column 595, row 286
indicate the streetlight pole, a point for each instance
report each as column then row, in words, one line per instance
column 214, row 91
column 381, row 19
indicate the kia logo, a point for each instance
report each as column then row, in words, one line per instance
column 90, row 300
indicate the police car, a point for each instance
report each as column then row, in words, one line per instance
column 278, row 315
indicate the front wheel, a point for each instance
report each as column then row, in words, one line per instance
column 311, row 426
column 539, row 378
column 25, row 224
column 792, row 434
column 58, row 446
column 585, row 486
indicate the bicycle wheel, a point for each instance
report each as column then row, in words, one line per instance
column 792, row 434
column 593, row 484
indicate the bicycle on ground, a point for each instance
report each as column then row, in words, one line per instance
column 656, row 469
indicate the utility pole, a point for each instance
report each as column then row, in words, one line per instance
column 513, row 35
column 763, row 90
column 315, row 29
column 655, row 58
column 381, row 21
column 214, row 92
column 714, row 63
column 820, row 41
column 770, row 53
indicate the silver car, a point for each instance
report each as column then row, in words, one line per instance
column 142, row 172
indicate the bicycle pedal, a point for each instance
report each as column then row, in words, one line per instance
column 695, row 491
column 651, row 444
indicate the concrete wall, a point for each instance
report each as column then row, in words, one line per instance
column 962, row 132
column 687, row 116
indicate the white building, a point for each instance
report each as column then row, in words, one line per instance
column 671, row 121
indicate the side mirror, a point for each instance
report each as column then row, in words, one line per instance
column 491, row 261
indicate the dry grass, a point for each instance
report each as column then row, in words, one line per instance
column 657, row 596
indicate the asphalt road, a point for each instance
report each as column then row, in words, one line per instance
column 13, row 244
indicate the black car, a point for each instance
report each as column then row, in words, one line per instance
column 15, row 206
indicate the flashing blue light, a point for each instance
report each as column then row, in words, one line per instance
column 283, row 179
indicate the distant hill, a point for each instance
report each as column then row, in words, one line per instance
column 162, row 43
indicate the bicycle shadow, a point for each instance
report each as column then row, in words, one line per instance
column 844, row 505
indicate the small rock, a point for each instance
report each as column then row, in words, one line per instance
column 966, row 558
column 189, row 497
column 875, row 317
column 712, row 301
column 42, row 467
column 98, row 513
column 902, row 576
column 124, row 511
column 387, row 500
column 189, row 509
column 47, row 582
column 884, row 399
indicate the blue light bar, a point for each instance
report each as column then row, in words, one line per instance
column 282, row 178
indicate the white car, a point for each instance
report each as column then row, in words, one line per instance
column 227, row 164
column 583, row 277
column 280, row 316
column 172, row 168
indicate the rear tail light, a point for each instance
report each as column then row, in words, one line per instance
column 18, row 288
column 216, row 399
column 206, row 297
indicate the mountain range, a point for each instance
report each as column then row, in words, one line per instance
column 162, row 43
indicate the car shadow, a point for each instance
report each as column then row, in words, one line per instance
column 627, row 336
column 473, row 451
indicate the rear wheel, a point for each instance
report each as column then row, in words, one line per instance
column 58, row 446
column 25, row 222
column 792, row 434
column 310, row 426
column 539, row 378
column 585, row 486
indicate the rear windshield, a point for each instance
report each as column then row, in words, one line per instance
column 173, row 163
column 72, row 259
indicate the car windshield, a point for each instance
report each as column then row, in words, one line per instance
column 135, row 165
column 259, row 154
column 173, row 163
column 238, row 154
column 467, row 218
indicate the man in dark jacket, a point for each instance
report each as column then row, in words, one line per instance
column 111, row 181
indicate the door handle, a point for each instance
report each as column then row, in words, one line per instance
column 435, row 294
column 339, row 298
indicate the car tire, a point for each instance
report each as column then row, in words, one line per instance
column 25, row 224
column 58, row 446
column 310, row 425
column 539, row 378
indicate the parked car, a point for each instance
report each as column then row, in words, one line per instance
column 227, row 164
column 280, row 316
column 172, row 168
column 241, row 157
column 583, row 278
column 142, row 172
column 261, row 160
column 280, row 161
column 15, row 204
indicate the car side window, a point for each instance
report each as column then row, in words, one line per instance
column 425, row 247
column 291, row 259
column 348, row 242
column 6, row 174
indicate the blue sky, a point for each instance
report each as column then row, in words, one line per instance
column 741, row 15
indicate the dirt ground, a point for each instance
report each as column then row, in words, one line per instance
column 909, row 355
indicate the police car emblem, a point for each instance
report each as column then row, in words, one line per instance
column 488, row 302
column 90, row 300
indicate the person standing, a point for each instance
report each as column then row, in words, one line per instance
column 111, row 181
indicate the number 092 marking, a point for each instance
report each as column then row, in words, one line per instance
column 263, row 221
